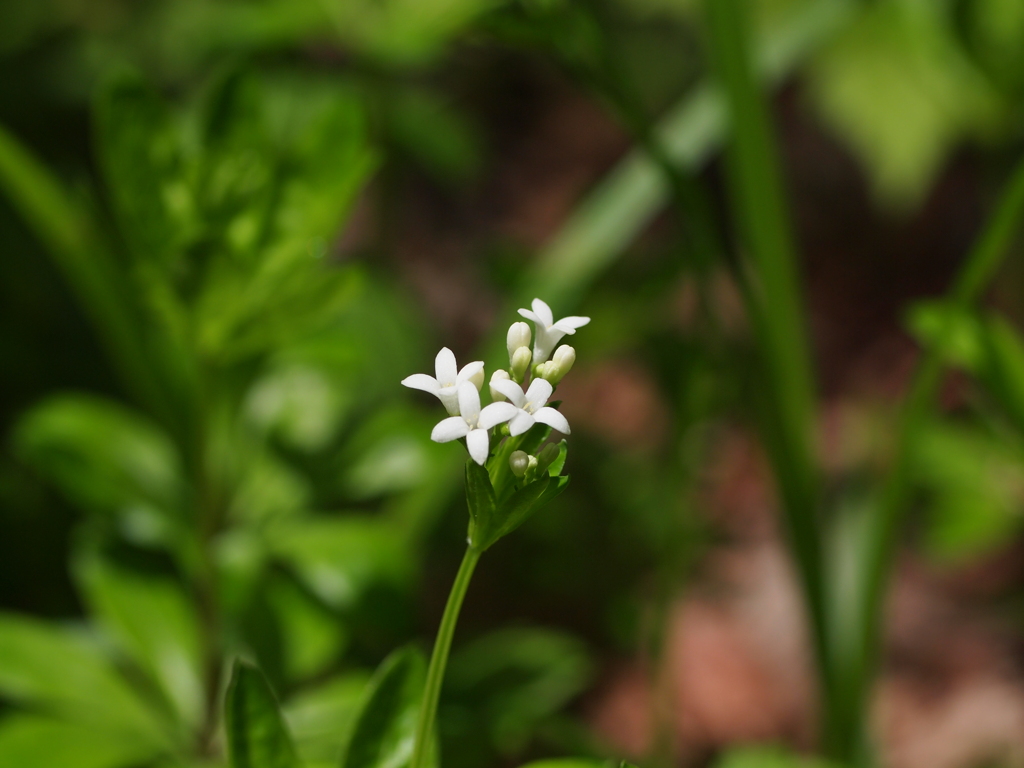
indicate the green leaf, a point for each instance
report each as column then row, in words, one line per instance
column 144, row 169
column 257, row 735
column 898, row 89
column 154, row 623
column 319, row 717
column 482, row 505
column 976, row 488
column 105, row 458
column 29, row 741
column 384, row 731
column 1003, row 368
column 955, row 333
column 338, row 559
column 768, row 757
column 506, row 684
column 60, row 671
column 570, row 762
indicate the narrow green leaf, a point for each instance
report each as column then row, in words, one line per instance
column 257, row 735
column 86, row 263
column 384, row 730
column 60, row 671
column 482, row 505
column 559, row 463
column 29, row 741
column 144, row 168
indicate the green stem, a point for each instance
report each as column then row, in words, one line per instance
column 439, row 658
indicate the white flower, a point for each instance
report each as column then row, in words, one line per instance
column 549, row 333
column 530, row 406
column 473, row 423
column 446, row 386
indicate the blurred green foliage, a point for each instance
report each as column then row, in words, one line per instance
column 247, row 482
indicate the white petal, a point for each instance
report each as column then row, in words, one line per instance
column 469, row 401
column 571, row 323
column 445, row 367
column 553, row 419
column 511, row 390
column 449, row 429
column 421, row 381
column 543, row 312
column 521, row 422
column 479, row 445
column 449, row 397
column 496, row 413
column 539, row 392
column 545, row 343
column 469, row 370
column 531, row 316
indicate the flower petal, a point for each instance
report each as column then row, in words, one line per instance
column 449, row 429
column 445, row 367
column 544, row 343
column 531, row 316
column 478, row 444
column 496, row 413
column 571, row 323
column 511, row 390
column 553, row 419
column 543, row 311
column 469, row 401
column 539, row 392
column 521, row 422
column 421, row 381
column 469, row 370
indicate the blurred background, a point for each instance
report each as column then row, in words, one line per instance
column 230, row 227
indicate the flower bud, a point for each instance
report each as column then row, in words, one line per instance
column 519, row 461
column 521, row 363
column 477, row 379
column 543, row 370
column 498, row 375
column 547, row 455
column 518, row 336
column 560, row 364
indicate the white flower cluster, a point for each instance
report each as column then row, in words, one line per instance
column 459, row 390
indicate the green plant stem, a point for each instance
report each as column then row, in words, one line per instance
column 439, row 658
column 773, row 301
column 855, row 673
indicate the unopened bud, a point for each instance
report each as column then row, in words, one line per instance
column 519, row 461
column 499, row 375
column 561, row 363
column 521, row 363
column 477, row 379
column 543, row 370
column 518, row 336
column 547, row 455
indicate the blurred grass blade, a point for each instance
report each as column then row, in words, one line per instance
column 855, row 671
column 628, row 198
column 383, row 731
column 64, row 228
column 774, row 302
column 257, row 735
